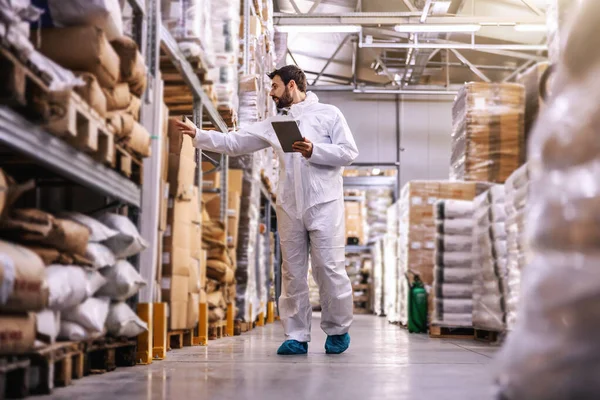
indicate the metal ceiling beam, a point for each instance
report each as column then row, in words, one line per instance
column 425, row 12
column 410, row 5
column 385, row 68
column 471, row 66
column 519, row 70
column 292, row 57
column 337, row 50
column 532, row 7
column 314, row 6
column 455, row 46
column 394, row 18
column 505, row 53
column 296, row 9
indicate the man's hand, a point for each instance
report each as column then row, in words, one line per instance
column 305, row 148
column 185, row 129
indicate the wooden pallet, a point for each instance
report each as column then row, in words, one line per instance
column 216, row 330
column 487, row 336
column 21, row 88
column 80, row 125
column 449, row 332
column 14, row 377
column 179, row 338
column 105, row 355
column 129, row 165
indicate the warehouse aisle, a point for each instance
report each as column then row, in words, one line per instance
column 384, row 362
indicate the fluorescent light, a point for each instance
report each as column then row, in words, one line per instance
column 418, row 28
column 376, row 171
column 318, row 28
column 531, row 28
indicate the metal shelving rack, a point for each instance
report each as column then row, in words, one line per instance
column 20, row 134
column 159, row 38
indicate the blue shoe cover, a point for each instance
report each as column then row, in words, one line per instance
column 337, row 344
column 292, row 347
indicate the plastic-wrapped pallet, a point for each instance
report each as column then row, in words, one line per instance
column 489, row 260
column 517, row 193
column 378, row 277
column 247, row 291
column 453, row 277
column 390, row 260
column 378, row 202
column 487, row 131
column 554, row 343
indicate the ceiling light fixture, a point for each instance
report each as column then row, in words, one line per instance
column 441, row 28
column 531, row 28
column 318, row 28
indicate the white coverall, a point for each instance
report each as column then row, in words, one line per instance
column 310, row 212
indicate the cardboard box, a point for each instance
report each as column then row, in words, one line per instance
column 164, row 174
column 180, row 144
column 164, row 206
column 176, row 261
column 193, row 310
column 159, row 256
column 235, row 180
column 182, row 171
column 234, row 202
column 17, row 333
column 210, row 180
column 212, row 205
column 196, row 216
column 175, row 288
column 196, row 241
column 194, row 281
column 178, row 314
column 202, row 270
column 458, row 190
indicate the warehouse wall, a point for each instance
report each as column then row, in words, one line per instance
column 425, row 127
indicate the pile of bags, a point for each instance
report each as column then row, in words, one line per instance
column 453, row 274
column 519, row 254
column 73, row 272
column 489, row 260
column 87, row 37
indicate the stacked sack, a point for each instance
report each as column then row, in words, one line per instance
column 112, row 280
column 378, row 277
column 225, row 23
column 378, row 202
column 391, row 279
column 554, row 343
column 246, row 275
column 453, row 275
column 519, row 255
column 87, row 38
column 23, row 287
column 489, row 260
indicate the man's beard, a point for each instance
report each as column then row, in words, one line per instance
column 285, row 100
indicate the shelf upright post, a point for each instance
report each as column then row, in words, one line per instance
column 247, row 5
column 151, row 119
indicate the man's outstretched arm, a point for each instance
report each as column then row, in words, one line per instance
column 232, row 144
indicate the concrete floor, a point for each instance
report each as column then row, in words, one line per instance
column 384, row 362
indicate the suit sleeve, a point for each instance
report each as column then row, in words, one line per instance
column 341, row 151
column 233, row 144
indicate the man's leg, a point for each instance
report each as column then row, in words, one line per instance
column 294, row 305
column 326, row 226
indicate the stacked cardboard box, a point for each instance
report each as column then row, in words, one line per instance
column 488, row 132
column 182, row 258
column 416, row 243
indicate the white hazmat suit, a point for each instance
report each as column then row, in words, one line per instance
column 310, row 212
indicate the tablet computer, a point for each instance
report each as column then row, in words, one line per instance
column 288, row 133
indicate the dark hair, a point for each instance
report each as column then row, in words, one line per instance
column 289, row 73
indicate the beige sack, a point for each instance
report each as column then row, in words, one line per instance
column 22, row 279
column 17, row 333
column 91, row 93
column 133, row 69
column 118, row 97
column 81, row 48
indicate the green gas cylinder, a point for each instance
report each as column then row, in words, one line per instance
column 417, row 307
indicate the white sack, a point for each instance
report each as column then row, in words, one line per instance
column 91, row 314
column 98, row 231
column 100, row 255
column 104, row 14
column 128, row 242
column 123, row 281
column 122, row 321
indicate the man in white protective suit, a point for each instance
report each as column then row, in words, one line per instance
column 310, row 207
